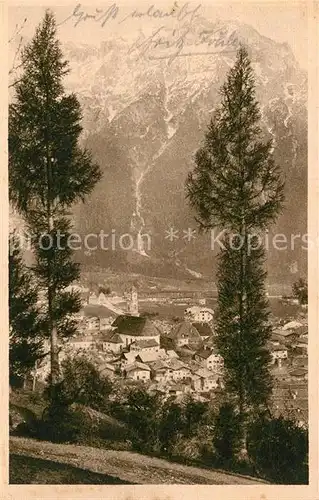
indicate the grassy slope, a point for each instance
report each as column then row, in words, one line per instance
column 40, row 462
column 29, row 470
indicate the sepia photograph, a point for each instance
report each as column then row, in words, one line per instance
column 158, row 243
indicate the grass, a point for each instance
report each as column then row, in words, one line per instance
column 29, row 470
column 42, row 462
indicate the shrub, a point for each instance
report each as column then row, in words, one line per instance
column 83, row 384
column 61, row 423
column 143, row 414
column 171, row 425
column 196, row 448
column 279, row 449
column 195, row 415
column 186, row 448
column 227, row 433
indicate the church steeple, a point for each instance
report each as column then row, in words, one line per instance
column 132, row 302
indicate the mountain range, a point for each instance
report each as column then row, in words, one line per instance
column 146, row 106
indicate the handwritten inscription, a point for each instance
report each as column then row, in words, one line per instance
column 164, row 42
column 180, row 13
column 170, row 44
column 100, row 16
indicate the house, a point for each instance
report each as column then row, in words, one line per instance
column 127, row 358
column 185, row 352
column 110, row 341
column 278, row 352
column 204, row 330
column 199, row 314
column 137, row 371
column 160, row 371
column 177, row 370
column 209, row 359
column 170, row 370
column 82, row 342
column 177, row 389
column 132, row 328
column 108, row 369
column 149, row 357
column 204, row 380
column 185, row 333
column 145, row 345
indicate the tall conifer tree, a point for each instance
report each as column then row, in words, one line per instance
column 48, row 172
column 236, row 187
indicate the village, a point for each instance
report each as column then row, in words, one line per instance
column 178, row 357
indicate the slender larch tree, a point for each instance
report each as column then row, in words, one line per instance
column 48, row 173
column 236, row 187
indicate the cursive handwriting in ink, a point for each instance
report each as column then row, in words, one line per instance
column 182, row 13
column 101, row 16
column 218, row 37
column 171, row 44
column 158, row 40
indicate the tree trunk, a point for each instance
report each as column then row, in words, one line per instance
column 242, row 312
column 52, row 326
column 34, row 379
column 54, row 356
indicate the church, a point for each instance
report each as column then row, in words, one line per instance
column 131, row 327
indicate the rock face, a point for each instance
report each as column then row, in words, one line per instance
column 144, row 116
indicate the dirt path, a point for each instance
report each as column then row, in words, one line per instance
column 127, row 466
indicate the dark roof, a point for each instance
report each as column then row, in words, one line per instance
column 111, row 337
column 204, row 353
column 203, row 329
column 184, row 330
column 135, row 326
column 143, row 343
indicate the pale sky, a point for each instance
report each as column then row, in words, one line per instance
column 282, row 21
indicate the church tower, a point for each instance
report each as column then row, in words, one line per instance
column 132, row 302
